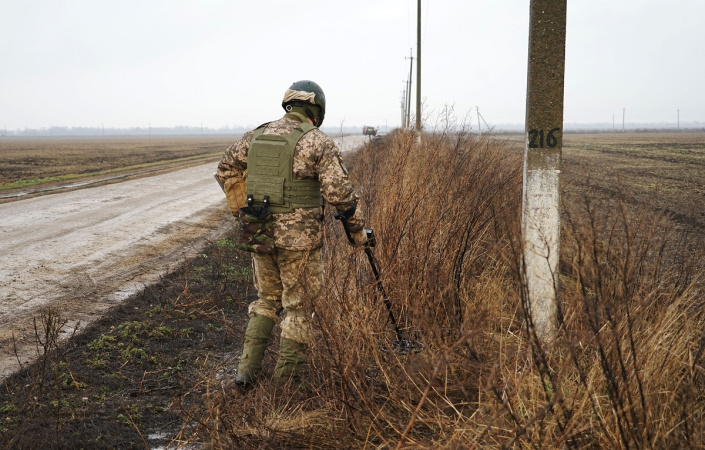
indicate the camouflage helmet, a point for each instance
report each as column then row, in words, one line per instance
column 306, row 92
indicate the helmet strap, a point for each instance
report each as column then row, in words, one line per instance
column 302, row 109
column 297, row 114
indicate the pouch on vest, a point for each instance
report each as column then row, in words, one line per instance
column 235, row 192
column 257, row 227
column 270, row 172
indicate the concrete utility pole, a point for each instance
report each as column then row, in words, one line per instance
column 418, row 67
column 542, row 162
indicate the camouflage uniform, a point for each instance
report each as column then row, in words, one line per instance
column 293, row 274
column 315, row 156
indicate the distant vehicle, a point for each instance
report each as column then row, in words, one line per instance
column 369, row 131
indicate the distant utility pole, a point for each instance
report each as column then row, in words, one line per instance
column 678, row 123
column 479, row 116
column 403, row 105
column 418, row 67
column 408, row 89
column 624, row 112
column 542, row 163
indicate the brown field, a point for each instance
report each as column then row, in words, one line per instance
column 29, row 162
column 627, row 370
column 665, row 171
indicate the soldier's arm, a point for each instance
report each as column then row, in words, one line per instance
column 231, row 172
column 336, row 187
column 234, row 160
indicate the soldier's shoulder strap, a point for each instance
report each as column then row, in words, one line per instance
column 259, row 130
column 305, row 127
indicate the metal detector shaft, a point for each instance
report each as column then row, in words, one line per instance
column 375, row 270
column 380, row 288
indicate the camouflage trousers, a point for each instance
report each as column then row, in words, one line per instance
column 288, row 280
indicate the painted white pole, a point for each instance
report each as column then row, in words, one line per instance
column 542, row 163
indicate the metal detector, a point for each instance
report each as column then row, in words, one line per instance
column 401, row 345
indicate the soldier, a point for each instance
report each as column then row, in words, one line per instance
column 275, row 179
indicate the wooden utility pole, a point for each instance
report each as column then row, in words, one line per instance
column 418, row 66
column 542, row 163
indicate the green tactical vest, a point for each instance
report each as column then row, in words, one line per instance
column 270, row 171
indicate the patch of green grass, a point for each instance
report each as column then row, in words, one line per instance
column 228, row 243
column 104, row 342
column 136, row 354
column 132, row 415
column 8, row 408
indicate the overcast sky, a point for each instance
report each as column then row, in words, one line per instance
column 213, row 63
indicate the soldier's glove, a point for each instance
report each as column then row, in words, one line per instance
column 359, row 239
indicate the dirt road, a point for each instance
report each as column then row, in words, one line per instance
column 83, row 251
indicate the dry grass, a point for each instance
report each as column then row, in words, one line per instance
column 626, row 371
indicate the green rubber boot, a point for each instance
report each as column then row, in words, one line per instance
column 259, row 328
column 292, row 358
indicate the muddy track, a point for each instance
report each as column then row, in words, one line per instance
column 83, row 251
column 55, row 187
